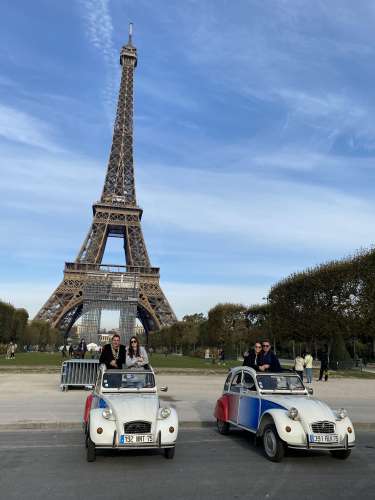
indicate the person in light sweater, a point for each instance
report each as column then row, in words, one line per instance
column 136, row 355
column 308, row 367
column 299, row 363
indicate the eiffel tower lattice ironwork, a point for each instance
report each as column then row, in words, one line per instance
column 115, row 215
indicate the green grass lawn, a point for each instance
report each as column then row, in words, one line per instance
column 31, row 359
column 157, row 361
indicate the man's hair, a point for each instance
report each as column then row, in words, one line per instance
column 116, row 335
column 266, row 341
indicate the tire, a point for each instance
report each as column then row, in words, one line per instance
column 274, row 447
column 222, row 427
column 340, row 454
column 169, row 453
column 91, row 451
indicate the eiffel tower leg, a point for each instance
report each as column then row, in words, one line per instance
column 154, row 310
column 64, row 306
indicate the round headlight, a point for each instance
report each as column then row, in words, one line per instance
column 107, row 413
column 342, row 413
column 165, row 412
column 293, row 413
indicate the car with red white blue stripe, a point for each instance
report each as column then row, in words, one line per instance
column 124, row 412
column 281, row 412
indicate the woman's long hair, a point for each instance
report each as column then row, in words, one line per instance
column 131, row 352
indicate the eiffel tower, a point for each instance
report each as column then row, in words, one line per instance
column 115, row 215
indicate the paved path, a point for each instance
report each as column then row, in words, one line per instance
column 27, row 399
column 52, row 465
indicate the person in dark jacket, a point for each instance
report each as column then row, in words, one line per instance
column 324, row 362
column 254, row 355
column 113, row 355
column 82, row 348
column 269, row 361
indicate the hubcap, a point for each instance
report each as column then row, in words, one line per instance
column 270, row 444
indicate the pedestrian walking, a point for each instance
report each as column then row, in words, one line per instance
column 12, row 350
column 221, row 357
column 324, row 363
column 63, row 351
column 82, row 348
column 308, row 367
column 299, row 363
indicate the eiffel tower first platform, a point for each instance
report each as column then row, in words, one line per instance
column 115, row 215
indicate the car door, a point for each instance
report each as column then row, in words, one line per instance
column 234, row 396
column 249, row 403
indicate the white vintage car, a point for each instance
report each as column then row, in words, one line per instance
column 123, row 412
column 279, row 409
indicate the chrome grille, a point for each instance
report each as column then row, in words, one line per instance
column 137, row 427
column 324, row 427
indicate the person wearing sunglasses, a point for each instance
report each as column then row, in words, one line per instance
column 253, row 357
column 136, row 355
column 269, row 361
column 113, row 355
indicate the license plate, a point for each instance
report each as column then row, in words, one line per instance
column 324, row 438
column 135, row 438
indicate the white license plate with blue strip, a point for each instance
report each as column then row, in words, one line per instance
column 135, row 438
column 324, row 438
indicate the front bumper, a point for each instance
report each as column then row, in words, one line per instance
column 156, row 445
column 342, row 445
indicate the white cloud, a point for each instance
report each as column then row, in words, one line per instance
column 21, row 127
column 257, row 209
column 98, row 21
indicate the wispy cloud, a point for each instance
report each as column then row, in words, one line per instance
column 21, row 127
column 257, row 209
column 99, row 26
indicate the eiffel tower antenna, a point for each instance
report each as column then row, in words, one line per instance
column 130, row 33
column 116, row 214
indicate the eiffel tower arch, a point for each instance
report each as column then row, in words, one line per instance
column 116, row 214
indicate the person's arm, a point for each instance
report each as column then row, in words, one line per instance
column 102, row 359
column 144, row 355
column 130, row 362
column 275, row 363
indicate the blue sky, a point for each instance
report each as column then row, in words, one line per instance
column 254, row 139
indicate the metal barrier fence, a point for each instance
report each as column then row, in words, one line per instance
column 78, row 373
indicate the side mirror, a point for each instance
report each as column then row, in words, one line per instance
column 310, row 390
column 164, row 388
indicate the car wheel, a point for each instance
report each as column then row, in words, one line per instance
column 169, row 453
column 91, row 451
column 222, row 427
column 274, row 447
column 340, row 454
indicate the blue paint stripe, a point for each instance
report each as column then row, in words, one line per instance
column 270, row 405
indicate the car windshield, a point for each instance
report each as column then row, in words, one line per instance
column 280, row 382
column 128, row 380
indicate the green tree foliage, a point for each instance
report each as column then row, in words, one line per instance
column 331, row 303
column 14, row 326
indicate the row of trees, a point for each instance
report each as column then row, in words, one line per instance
column 227, row 326
column 15, row 327
column 331, row 306
column 332, row 303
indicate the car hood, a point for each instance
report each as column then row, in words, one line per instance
column 129, row 407
column 309, row 409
